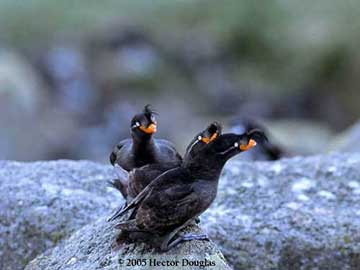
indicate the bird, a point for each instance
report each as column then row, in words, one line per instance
column 132, row 183
column 177, row 197
column 142, row 148
column 266, row 150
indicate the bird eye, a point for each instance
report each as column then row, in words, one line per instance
column 236, row 144
column 152, row 118
column 137, row 124
column 199, row 138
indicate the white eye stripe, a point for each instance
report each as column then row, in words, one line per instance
column 191, row 146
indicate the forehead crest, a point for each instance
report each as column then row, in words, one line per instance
column 148, row 111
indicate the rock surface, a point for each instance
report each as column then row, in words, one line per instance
column 299, row 213
column 43, row 202
column 91, row 248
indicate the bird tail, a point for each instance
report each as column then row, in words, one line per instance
column 117, row 213
column 128, row 225
column 129, row 207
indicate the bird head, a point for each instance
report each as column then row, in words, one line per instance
column 230, row 144
column 144, row 123
column 203, row 138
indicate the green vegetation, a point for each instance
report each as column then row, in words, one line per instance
column 280, row 45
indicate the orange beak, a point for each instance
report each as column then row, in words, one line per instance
column 250, row 145
column 149, row 130
column 207, row 140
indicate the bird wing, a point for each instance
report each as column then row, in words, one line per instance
column 164, row 179
column 116, row 150
column 171, row 217
column 133, row 204
column 168, row 151
column 167, row 208
column 139, row 178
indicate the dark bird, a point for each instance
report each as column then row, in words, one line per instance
column 142, row 148
column 265, row 150
column 137, row 179
column 177, row 197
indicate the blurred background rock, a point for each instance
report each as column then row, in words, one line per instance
column 72, row 74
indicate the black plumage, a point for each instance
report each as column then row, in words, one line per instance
column 134, row 182
column 142, row 148
column 180, row 195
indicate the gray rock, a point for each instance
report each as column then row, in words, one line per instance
column 299, row 213
column 92, row 248
column 43, row 202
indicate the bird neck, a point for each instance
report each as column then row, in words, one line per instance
column 144, row 146
column 204, row 168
